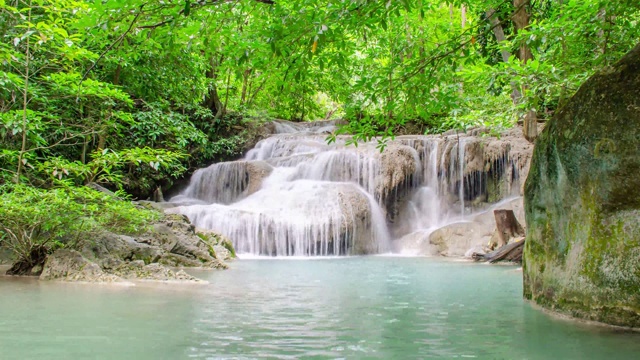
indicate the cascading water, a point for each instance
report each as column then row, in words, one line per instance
column 296, row 195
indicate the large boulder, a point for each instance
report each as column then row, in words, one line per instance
column 70, row 265
column 582, row 200
column 459, row 239
column 456, row 239
column 106, row 246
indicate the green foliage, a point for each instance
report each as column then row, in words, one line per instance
column 119, row 92
column 116, row 168
column 134, row 94
column 63, row 216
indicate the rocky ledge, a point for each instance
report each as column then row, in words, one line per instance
column 159, row 254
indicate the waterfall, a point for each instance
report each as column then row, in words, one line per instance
column 294, row 194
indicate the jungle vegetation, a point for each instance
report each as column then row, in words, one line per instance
column 132, row 94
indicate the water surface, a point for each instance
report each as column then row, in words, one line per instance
column 354, row 308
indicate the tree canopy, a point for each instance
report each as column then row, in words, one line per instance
column 131, row 92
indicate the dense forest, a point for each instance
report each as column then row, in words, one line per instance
column 132, row 95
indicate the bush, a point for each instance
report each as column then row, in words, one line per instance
column 34, row 221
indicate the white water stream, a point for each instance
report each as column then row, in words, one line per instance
column 296, row 195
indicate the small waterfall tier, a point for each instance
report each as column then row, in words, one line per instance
column 294, row 194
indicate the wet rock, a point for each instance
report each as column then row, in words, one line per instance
column 456, row 239
column 397, row 164
column 224, row 182
column 257, row 171
column 474, row 168
column 222, row 246
column 222, row 253
column 297, row 218
column 416, row 243
column 70, row 265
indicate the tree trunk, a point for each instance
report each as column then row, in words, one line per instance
column 226, row 95
column 257, row 90
column 212, row 100
column 507, row 226
column 116, row 75
column 511, row 252
column 31, row 264
column 25, row 99
column 498, row 32
column 530, row 126
column 463, row 16
column 521, row 22
column 245, row 85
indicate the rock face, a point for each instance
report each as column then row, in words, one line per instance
column 70, row 265
column 172, row 242
column 225, row 182
column 582, row 199
column 473, row 166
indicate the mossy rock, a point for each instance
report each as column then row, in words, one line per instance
column 582, row 202
column 215, row 240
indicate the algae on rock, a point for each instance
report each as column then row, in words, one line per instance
column 582, row 200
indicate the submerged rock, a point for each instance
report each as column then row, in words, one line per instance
column 582, row 197
column 138, row 270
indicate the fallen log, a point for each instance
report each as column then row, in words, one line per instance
column 510, row 252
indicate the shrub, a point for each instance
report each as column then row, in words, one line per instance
column 35, row 221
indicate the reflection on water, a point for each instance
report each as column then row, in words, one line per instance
column 360, row 307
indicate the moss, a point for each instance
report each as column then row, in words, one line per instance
column 229, row 246
column 211, row 239
column 582, row 203
column 146, row 258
